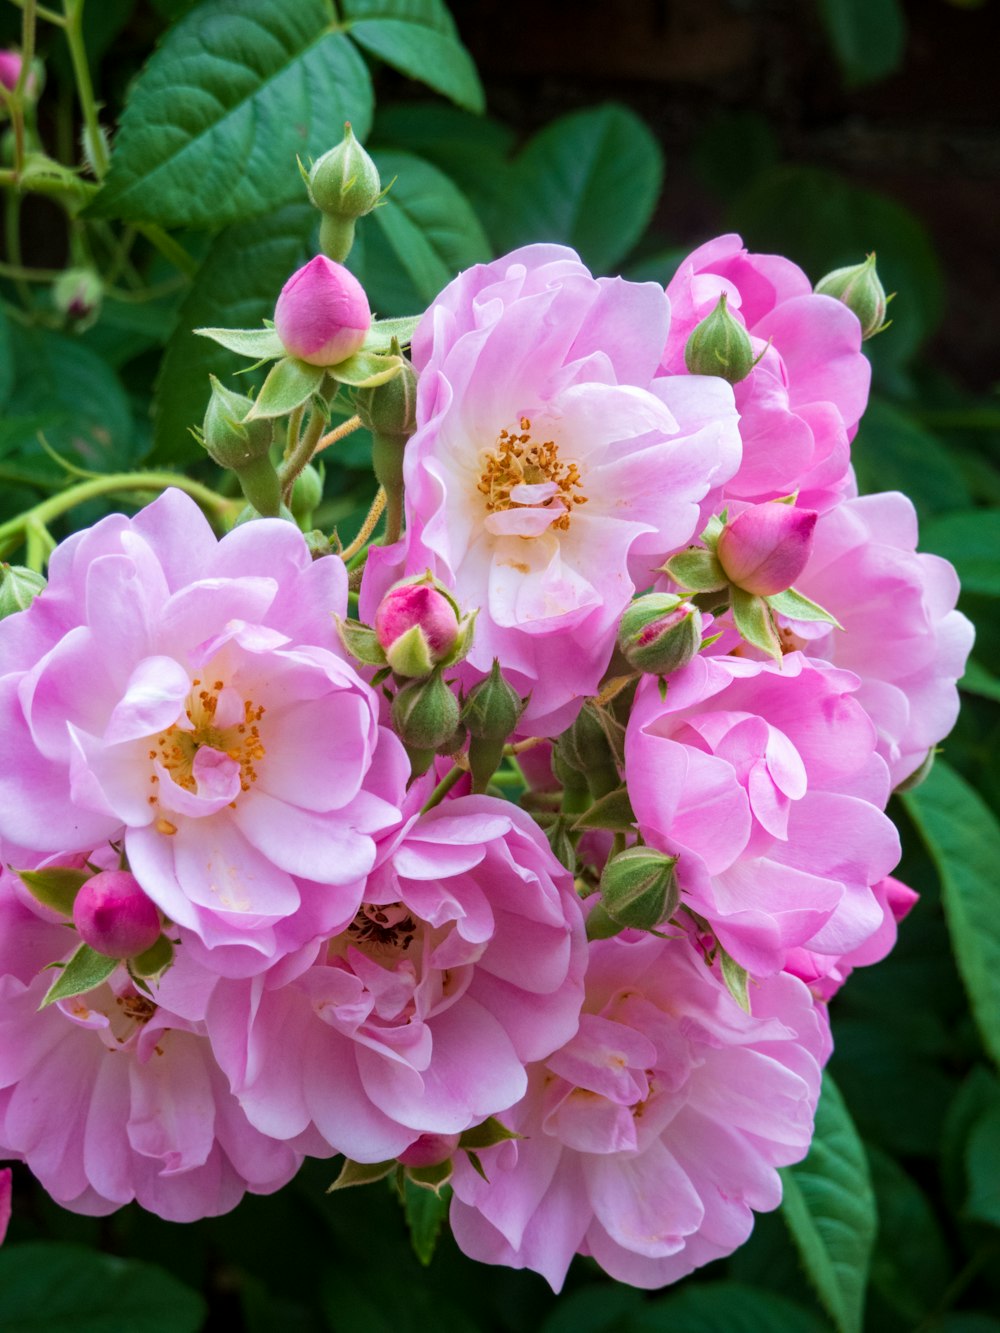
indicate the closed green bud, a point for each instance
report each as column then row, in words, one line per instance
column 78, row 293
column 389, row 411
column 425, row 713
column 493, row 707
column 720, row 345
column 18, row 588
column 860, row 289
column 345, row 181
column 228, row 439
column 639, row 888
column 585, row 748
column 306, row 494
column 660, row 633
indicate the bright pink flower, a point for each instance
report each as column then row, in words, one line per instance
column 800, row 405
column 416, row 608
column 114, row 916
column 652, row 1136
column 322, row 315
column 463, row 964
column 190, row 691
column 6, row 1185
column 112, row 1095
column 10, row 69
column 764, row 780
column 550, row 471
column 902, row 635
column 765, row 548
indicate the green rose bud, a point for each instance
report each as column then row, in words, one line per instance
column 639, row 888
column 720, row 345
column 860, row 289
column 660, row 633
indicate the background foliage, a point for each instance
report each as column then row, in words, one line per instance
column 196, row 216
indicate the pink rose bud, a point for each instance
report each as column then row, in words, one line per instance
column 429, row 1150
column 322, row 315
column 10, row 69
column 417, row 627
column 114, row 916
column 766, row 548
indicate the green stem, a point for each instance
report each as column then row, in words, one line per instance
column 17, row 101
column 449, row 780
column 393, row 517
column 73, row 14
column 301, row 453
column 37, row 519
column 49, row 15
column 12, row 236
column 168, row 248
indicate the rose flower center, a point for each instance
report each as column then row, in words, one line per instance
column 516, row 462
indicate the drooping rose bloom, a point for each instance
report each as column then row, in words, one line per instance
column 765, row 781
column 191, row 691
column 113, row 1095
column 550, row 470
column 652, row 1136
column 463, row 964
column 799, row 407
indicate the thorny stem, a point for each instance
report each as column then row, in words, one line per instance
column 367, row 527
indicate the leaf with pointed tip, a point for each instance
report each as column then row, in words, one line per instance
column 737, row 979
column 418, row 38
column 366, row 370
column 261, row 344
column 613, row 812
column 289, row 384
column 361, row 1173
column 84, row 971
column 379, row 337
column 434, row 1177
column 154, row 960
column 361, row 641
column 55, row 887
column 754, row 622
column 487, row 1134
column 796, row 607
column 696, row 570
column 425, row 1211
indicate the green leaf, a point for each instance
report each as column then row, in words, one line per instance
column 613, row 811
column 366, row 370
column 84, row 971
column 983, row 1165
column 258, row 344
column 977, row 680
column 215, row 120
column 892, row 452
column 910, row 1265
column 55, row 887
column 50, row 1287
column 868, row 37
column 732, row 1306
column 971, row 541
column 963, row 838
column 6, row 360
column 289, row 384
column 379, row 337
column 797, row 607
column 361, row 1173
column 154, row 960
column 490, row 1132
column 754, row 622
column 418, row 38
column 737, row 979
column 425, row 1211
column 830, row 1210
column 605, row 1307
column 591, row 180
column 236, row 286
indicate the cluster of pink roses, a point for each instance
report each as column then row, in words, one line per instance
column 348, row 966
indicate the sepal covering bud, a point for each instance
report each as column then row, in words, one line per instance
column 859, row 287
column 345, row 182
column 492, row 708
column 77, row 293
column 425, row 713
column 720, row 345
column 19, row 587
column 639, row 888
column 229, row 440
column 418, row 626
column 660, row 633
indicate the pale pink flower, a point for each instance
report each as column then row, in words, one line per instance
column 322, row 315
column 799, row 407
column 114, row 1095
column 550, row 470
column 765, row 781
column 463, row 965
column 652, row 1137
column 190, row 691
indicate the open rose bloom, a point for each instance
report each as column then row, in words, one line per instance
column 328, row 924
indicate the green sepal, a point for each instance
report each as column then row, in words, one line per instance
column 86, row 970
column 737, row 979
column 56, row 887
column 431, row 1177
column 712, row 530
column 379, row 337
column 410, row 654
column 366, row 370
column 600, row 925
column 154, row 960
column 261, row 344
column 477, row 1165
column 639, row 887
column 696, row 570
column 361, row 642
column 487, row 1134
column 754, row 621
column 613, row 811
column 426, row 1209
column 559, row 839
column 289, row 384
column 796, row 607
column 361, row 1173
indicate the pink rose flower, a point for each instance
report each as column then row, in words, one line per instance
column 463, row 964
column 653, row 1135
column 187, row 694
column 550, row 470
column 322, row 315
column 800, row 406
column 765, row 781
column 156, row 1123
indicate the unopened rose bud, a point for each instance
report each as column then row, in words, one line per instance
column 493, row 707
column 660, row 633
column 766, row 548
column 639, row 888
column 77, row 294
column 425, row 713
column 18, row 588
column 114, row 916
column 242, row 446
column 585, row 748
column 10, row 69
column 306, row 494
column 861, row 290
column 720, row 345
column 344, row 184
column 322, row 315
column 429, row 1150
column 389, row 411
column 418, row 626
